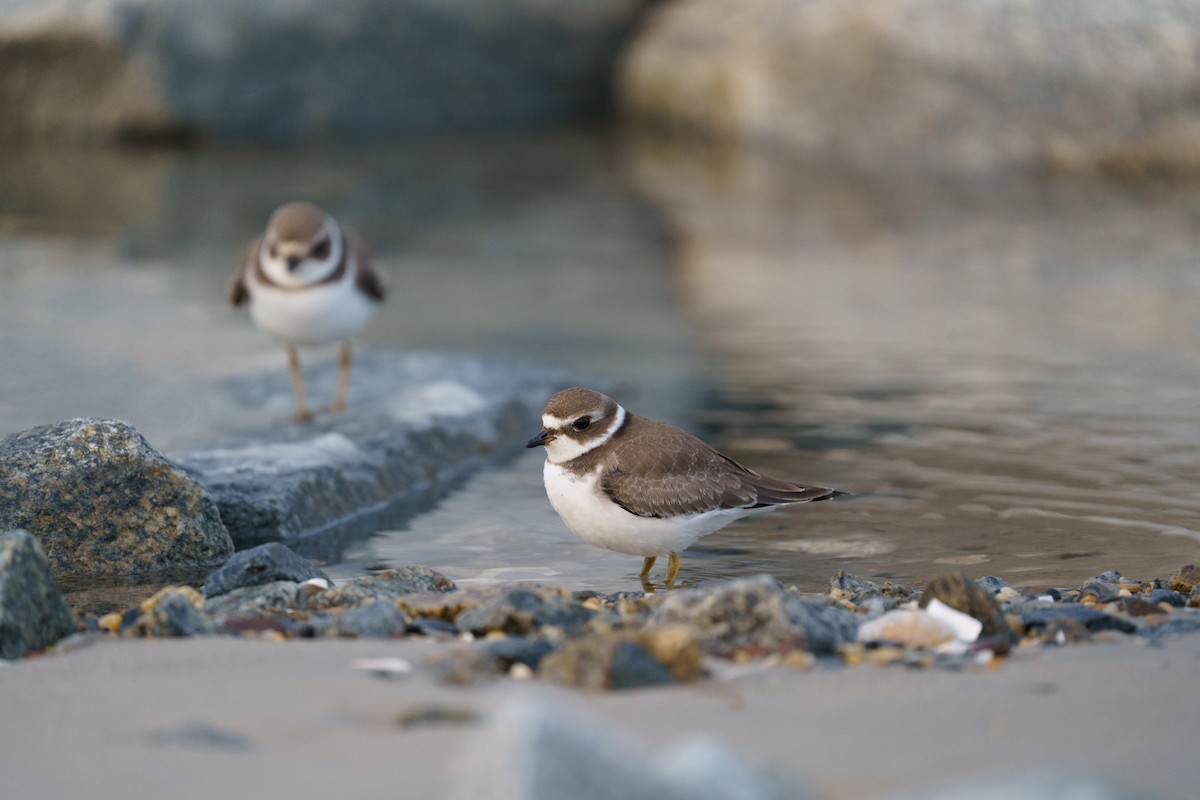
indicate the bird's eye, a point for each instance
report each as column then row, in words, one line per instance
column 321, row 249
column 582, row 423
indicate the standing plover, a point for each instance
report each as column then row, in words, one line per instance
column 309, row 282
column 637, row 486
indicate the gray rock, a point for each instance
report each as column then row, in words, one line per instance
column 102, row 502
column 757, row 613
column 172, row 613
column 1093, row 619
column 33, row 613
column 538, row 747
column 963, row 594
column 420, row 424
column 1169, row 596
column 250, row 602
column 930, row 84
column 378, row 620
column 278, row 71
column 263, row 564
column 386, row 585
column 522, row 611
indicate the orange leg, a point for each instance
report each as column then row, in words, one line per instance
column 302, row 413
column 339, row 401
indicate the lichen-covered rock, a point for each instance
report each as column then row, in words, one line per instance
column 935, row 84
column 757, row 614
column 263, row 564
column 33, row 613
column 102, row 502
column 963, row 594
column 627, row 659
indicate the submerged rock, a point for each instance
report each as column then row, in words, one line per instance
column 421, row 423
column 263, row 564
column 33, row 613
column 757, row 614
column 102, row 502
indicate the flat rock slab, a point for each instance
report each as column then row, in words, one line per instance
column 102, row 502
column 419, row 423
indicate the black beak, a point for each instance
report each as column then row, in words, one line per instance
column 541, row 439
column 293, row 262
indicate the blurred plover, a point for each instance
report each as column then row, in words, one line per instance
column 309, row 282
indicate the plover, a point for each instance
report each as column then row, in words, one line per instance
column 309, row 282
column 636, row 486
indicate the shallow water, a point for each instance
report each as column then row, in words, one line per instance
column 1004, row 374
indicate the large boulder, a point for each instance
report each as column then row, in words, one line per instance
column 286, row 71
column 941, row 84
column 33, row 613
column 102, row 502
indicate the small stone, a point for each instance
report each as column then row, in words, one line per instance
column 110, row 623
column 992, row 585
column 384, row 667
column 270, row 599
column 522, row 610
column 1134, row 607
column 1168, row 597
column 33, row 612
column 757, row 614
column 171, row 612
column 389, row 585
column 1184, row 579
column 626, row 660
column 963, row 594
column 379, row 620
column 266, row 563
column 1092, row 619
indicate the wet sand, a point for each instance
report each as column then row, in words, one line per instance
column 205, row 717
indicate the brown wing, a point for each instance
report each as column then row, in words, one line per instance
column 655, row 473
column 236, row 289
column 370, row 277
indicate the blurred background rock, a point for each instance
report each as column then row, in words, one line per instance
column 873, row 84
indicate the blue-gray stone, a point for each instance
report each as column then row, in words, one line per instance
column 33, row 613
column 260, row 565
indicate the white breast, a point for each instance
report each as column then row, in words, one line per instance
column 597, row 520
column 315, row 315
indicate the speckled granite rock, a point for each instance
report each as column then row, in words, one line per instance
column 386, row 585
column 280, row 71
column 756, row 614
column 33, row 613
column 933, row 84
column 263, row 564
column 102, row 502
